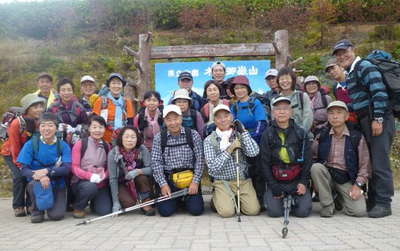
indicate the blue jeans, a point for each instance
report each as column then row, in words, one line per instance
column 194, row 204
column 19, row 185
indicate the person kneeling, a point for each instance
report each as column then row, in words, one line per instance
column 286, row 162
column 46, row 162
column 219, row 150
column 178, row 151
column 343, row 164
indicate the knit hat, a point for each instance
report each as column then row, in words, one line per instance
column 29, row 100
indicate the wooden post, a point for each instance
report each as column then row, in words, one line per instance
column 281, row 46
column 143, row 64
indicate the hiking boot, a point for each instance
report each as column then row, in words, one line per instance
column 37, row 218
column 327, row 212
column 19, row 212
column 149, row 211
column 379, row 212
column 78, row 214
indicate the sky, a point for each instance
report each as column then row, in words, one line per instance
column 10, row 1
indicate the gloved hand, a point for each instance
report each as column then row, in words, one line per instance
column 235, row 145
column 132, row 174
column 277, row 190
column 95, row 178
column 238, row 126
column 70, row 129
column 62, row 127
column 78, row 128
column 116, row 207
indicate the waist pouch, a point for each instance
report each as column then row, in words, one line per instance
column 338, row 175
column 286, row 172
column 182, row 179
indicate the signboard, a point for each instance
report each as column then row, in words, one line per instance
column 166, row 74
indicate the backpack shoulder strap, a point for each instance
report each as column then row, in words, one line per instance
column 324, row 100
column 104, row 102
column 22, row 124
column 84, row 145
column 193, row 115
column 189, row 138
column 300, row 97
column 163, row 135
column 35, row 144
column 142, row 123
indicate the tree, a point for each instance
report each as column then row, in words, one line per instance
column 322, row 14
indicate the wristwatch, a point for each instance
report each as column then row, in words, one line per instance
column 359, row 184
column 379, row 120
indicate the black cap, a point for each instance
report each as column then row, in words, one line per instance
column 185, row 75
column 115, row 75
column 342, row 44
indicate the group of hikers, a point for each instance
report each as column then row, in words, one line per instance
column 100, row 150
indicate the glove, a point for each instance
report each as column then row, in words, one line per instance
column 61, row 127
column 235, row 145
column 238, row 126
column 78, row 128
column 132, row 174
column 95, row 178
column 116, row 207
column 70, row 129
column 276, row 190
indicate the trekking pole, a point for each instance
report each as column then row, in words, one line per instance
column 174, row 195
column 237, row 184
column 287, row 204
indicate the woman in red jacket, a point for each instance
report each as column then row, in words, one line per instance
column 19, row 131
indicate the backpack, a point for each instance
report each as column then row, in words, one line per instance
column 35, row 148
column 104, row 106
column 300, row 97
column 323, row 99
column 72, row 112
column 251, row 106
column 390, row 71
column 142, row 122
column 84, row 145
column 189, row 140
column 192, row 117
column 8, row 117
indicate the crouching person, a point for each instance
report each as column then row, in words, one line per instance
column 286, row 162
column 219, row 151
column 343, row 166
column 46, row 162
column 129, row 163
column 176, row 150
column 90, row 173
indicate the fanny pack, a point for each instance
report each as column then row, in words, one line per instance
column 286, row 172
column 338, row 175
column 44, row 198
column 182, row 179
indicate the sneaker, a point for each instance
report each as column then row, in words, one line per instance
column 37, row 218
column 78, row 214
column 327, row 212
column 19, row 212
column 379, row 212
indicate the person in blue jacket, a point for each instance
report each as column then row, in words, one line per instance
column 46, row 163
column 246, row 109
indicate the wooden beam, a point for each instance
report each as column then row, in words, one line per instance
column 281, row 41
column 212, row 50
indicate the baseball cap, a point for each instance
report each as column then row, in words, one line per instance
column 271, row 73
column 87, row 78
column 331, row 62
column 280, row 99
column 340, row 104
column 221, row 107
column 342, row 44
column 185, row 75
column 181, row 93
column 172, row 108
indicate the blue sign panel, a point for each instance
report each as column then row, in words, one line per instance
column 166, row 74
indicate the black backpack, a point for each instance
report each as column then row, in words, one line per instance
column 189, row 140
column 142, row 122
column 390, row 71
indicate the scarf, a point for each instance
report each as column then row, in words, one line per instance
column 119, row 110
column 152, row 122
column 225, row 136
column 129, row 157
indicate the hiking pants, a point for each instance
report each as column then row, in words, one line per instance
column 224, row 199
column 380, row 188
column 19, row 185
column 143, row 188
column 100, row 198
column 324, row 185
column 57, row 212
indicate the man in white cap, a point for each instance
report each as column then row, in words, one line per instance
column 270, row 79
column 88, row 91
column 219, row 151
column 177, row 149
column 286, row 161
column 343, row 164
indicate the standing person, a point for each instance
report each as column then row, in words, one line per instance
column 370, row 101
column 88, row 92
column 341, row 92
column 219, row 151
column 44, row 83
column 246, row 109
column 319, row 102
column 129, row 165
column 178, row 149
column 343, row 164
column 117, row 110
column 149, row 120
column 71, row 114
column 301, row 104
column 185, row 81
column 286, row 161
column 46, row 162
column 212, row 93
column 19, row 131
column 90, row 172
column 271, row 80
column 191, row 118
column 218, row 71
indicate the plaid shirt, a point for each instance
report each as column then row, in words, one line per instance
column 177, row 157
column 221, row 164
